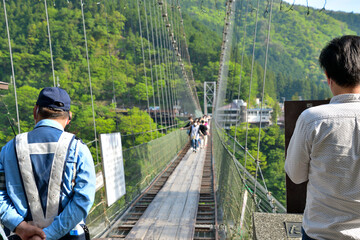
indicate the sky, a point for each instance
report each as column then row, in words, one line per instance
column 336, row 5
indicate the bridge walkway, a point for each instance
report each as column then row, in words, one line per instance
column 172, row 214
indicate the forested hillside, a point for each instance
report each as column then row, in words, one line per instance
column 351, row 19
column 115, row 54
column 297, row 36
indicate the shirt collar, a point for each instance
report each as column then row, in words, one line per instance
column 49, row 123
column 346, row 98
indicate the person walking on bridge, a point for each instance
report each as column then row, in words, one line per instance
column 47, row 175
column 325, row 148
column 195, row 135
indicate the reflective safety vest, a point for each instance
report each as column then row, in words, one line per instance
column 60, row 151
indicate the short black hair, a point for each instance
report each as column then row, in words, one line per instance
column 340, row 59
column 51, row 113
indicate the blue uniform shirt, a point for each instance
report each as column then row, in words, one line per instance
column 76, row 200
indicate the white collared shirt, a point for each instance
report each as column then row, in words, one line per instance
column 325, row 149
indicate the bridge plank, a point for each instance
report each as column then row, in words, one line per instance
column 172, row 214
column 151, row 214
column 182, row 180
column 147, row 220
column 186, row 221
column 174, row 220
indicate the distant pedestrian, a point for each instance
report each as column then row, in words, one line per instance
column 187, row 126
column 195, row 135
column 204, row 132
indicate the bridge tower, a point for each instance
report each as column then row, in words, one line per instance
column 209, row 96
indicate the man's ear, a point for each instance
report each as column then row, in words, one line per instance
column 70, row 117
column 36, row 111
column 327, row 78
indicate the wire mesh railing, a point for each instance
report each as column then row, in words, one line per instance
column 235, row 192
column 141, row 164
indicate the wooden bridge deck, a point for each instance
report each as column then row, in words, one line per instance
column 172, row 214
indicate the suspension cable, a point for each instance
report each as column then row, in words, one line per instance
column 12, row 68
column 178, row 55
column 263, row 92
column 166, row 73
column 174, row 49
column 51, row 53
column 110, row 60
column 180, row 52
column 156, row 72
column 168, row 44
column 150, row 59
column 235, row 52
column 167, row 92
column 160, row 66
column 191, row 81
column 251, row 79
column 144, row 62
column 166, row 51
column 89, row 73
column 174, row 84
column 241, row 64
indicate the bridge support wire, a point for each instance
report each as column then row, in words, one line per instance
column 109, row 50
column 150, row 59
column 49, row 35
column 89, row 73
column 156, row 112
column 263, row 89
column 251, row 75
column 12, row 68
column 144, row 62
column 241, row 65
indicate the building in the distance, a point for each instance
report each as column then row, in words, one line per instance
column 232, row 113
column 257, row 116
column 236, row 112
column 4, row 85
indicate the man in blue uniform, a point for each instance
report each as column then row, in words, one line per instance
column 47, row 176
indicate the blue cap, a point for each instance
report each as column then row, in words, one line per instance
column 54, row 97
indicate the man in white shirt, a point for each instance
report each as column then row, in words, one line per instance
column 325, row 148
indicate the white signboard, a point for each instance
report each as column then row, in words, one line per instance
column 113, row 166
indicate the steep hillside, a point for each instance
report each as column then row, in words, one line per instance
column 297, row 36
column 352, row 19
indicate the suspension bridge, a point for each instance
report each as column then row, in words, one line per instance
column 171, row 192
